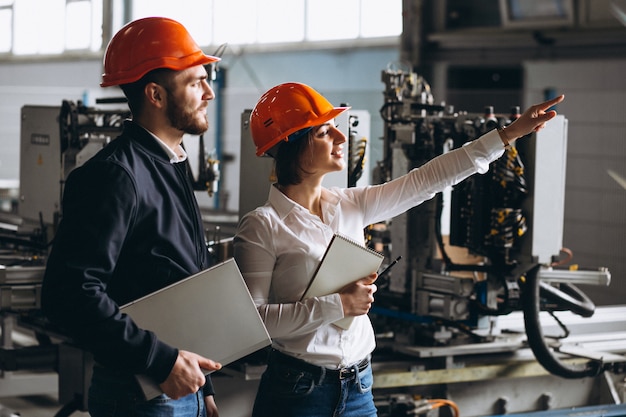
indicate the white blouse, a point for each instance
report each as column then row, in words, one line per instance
column 278, row 246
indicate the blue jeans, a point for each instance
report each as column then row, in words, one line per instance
column 114, row 394
column 290, row 391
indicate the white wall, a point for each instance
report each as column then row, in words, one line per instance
column 595, row 205
column 41, row 84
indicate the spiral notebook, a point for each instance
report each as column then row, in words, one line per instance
column 344, row 262
column 210, row 313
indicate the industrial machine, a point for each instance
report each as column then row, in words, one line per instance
column 468, row 308
column 57, row 139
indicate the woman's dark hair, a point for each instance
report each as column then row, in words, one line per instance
column 134, row 91
column 288, row 160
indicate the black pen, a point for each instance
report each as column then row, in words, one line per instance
column 386, row 270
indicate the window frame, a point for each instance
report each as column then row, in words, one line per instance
column 115, row 12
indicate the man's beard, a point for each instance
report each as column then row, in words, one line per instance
column 185, row 120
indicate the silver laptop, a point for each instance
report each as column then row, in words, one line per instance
column 210, row 313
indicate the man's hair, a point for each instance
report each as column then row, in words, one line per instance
column 134, row 92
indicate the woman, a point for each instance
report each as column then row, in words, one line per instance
column 316, row 368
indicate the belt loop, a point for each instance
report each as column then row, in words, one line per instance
column 357, row 376
column 322, row 375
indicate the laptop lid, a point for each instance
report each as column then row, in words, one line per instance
column 210, row 313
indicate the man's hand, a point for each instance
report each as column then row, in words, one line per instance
column 187, row 375
column 357, row 298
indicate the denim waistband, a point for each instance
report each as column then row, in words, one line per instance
column 319, row 372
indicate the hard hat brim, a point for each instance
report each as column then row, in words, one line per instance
column 173, row 64
column 336, row 111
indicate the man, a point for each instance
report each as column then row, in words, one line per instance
column 131, row 225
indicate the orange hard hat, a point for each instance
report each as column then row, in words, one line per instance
column 285, row 109
column 147, row 44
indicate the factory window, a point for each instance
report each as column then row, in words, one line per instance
column 6, row 17
column 31, row 27
column 350, row 19
column 35, row 27
column 278, row 21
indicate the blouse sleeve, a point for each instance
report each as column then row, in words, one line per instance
column 255, row 256
column 385, row 201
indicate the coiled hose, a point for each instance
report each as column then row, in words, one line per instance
column 531, row 308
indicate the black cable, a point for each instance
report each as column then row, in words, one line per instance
column 561, row 325
column 569, row 297
column 545, row 356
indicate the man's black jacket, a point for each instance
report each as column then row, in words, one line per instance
column 130, row 225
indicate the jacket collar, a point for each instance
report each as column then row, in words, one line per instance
column 144, row 138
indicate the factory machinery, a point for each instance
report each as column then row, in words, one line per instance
column 488, row 316
column 54, row 140
column 481, row 316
